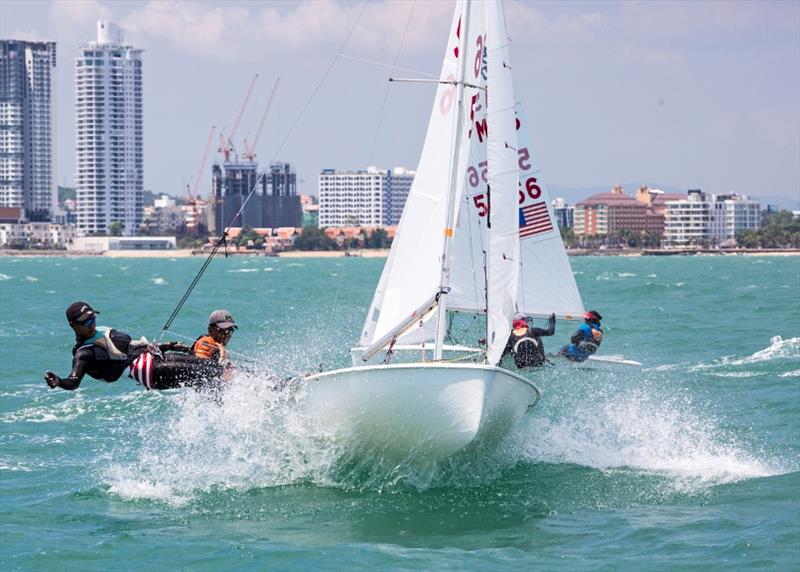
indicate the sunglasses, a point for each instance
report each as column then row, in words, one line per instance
column 87, row 323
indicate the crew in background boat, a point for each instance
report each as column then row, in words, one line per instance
column 102, row 353
column 525, row 341
column 585, row 341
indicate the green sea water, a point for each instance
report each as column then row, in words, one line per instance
column 691, row 462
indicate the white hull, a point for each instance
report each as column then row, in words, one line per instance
column 420, row 410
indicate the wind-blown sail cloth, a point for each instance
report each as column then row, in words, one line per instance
column 546, row 282
column 502, row 259
column 412, row 274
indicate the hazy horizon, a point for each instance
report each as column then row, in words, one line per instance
column 671, row 94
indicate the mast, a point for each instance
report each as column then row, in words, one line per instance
column 441, row 317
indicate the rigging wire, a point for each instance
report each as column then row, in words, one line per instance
column 220, row 242
column 378, row 127
column 321, row 81
column 392, row 66
column 222, row 239
column 388, row 84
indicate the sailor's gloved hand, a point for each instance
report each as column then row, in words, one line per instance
column 176, row 347
column 51, row 379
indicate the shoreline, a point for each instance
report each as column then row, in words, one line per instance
column 368, row 253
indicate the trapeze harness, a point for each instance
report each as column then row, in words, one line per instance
column 117, row 345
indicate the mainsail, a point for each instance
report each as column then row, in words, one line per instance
column 502, row 258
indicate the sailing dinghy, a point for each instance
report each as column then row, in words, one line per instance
column 477, row 236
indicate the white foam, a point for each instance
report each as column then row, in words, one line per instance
column 65, row 411
column 778, row 349
column 243, row 270
column 159, row 281
column 31, row 279
column 649, row 434
column 252, row 438
column 4, row 277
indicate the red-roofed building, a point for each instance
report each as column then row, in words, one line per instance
column 608, row 214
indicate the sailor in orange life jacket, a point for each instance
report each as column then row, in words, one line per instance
column 212, row 345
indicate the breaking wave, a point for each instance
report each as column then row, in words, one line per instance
column 779, row 349
column 253, row 437
column 638, row 431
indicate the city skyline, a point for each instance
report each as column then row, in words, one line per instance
column 681, row 95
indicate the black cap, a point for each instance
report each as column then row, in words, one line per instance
column 80, row 311
column 593, row 315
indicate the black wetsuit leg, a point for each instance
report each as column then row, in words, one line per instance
column 183, row 370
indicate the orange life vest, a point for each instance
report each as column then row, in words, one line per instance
column 207, row 348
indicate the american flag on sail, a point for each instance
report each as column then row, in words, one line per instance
column 534, row 219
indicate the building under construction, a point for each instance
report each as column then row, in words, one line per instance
column 274, row 203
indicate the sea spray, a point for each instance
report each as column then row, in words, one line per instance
column 647, row 428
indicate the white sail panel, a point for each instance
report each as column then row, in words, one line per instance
column 467, row 261
column 546, row 282
column 502, row 260
column 412, row 273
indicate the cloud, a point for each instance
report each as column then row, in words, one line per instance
column 524, row 18
column 229, row 32
column 77, row 13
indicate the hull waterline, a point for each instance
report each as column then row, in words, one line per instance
column 422, row 410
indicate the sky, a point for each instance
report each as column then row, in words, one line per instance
column 672, row 94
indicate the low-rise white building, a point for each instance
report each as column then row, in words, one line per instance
column 106, row 243
column 709, row 219
column 44, row 235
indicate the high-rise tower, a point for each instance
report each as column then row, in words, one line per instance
column 109, row 166
column 26, row 127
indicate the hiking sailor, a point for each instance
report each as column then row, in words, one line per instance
column 102, row 353
column 525, row 343
column 585, row 341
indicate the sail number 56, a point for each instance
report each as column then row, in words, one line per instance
column 474, row 179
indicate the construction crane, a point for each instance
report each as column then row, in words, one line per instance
column 226, row 143
column 250, row 150
column 191, row 194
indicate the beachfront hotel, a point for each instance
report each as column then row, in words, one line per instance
column 26, row 128
column 713, row 219
column 109, row 165
column 373, row 198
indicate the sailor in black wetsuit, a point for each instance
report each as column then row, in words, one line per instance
column 525, row 342
column 108, row 353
